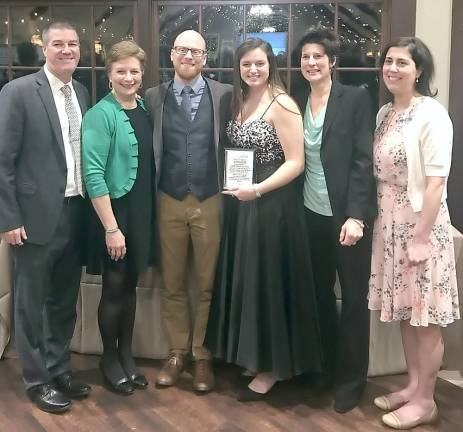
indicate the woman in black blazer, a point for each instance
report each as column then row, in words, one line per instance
column 340, row 203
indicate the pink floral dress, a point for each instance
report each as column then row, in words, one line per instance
column 424, row 294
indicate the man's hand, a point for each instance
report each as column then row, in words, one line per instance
column 15, row 237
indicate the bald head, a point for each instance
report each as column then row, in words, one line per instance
column 189, row 62
column 190, row 39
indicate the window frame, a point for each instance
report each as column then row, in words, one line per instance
column 398, row 18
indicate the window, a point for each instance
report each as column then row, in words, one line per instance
column 225, row 24
column 282, row 23
column 99, row 25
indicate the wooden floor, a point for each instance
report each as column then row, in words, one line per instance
column 290, row 406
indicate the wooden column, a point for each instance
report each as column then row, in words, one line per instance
column 455, row 189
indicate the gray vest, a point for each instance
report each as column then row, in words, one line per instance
column 188, row 159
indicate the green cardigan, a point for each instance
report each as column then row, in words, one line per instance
column 109, row 149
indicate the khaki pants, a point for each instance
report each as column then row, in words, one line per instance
column 180, row 222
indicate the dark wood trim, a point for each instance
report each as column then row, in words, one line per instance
column 93, row 60
column 145, row 37
column 455, row 198
column 402, row 20
column 398, row 19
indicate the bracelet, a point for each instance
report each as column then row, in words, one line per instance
column 112, row 230
column 256, row 190
column 358, row 222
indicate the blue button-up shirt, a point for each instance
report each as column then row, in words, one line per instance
column 197, row 88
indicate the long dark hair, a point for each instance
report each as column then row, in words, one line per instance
column 423, row 60
column 240, row 88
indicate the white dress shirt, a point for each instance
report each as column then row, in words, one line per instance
column 58, row 96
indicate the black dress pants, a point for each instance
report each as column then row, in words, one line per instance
column 47, row 280
column 344, row 337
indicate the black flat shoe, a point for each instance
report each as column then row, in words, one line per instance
column 139, row 381
column 123, row 386
column 48, row 399
column 247, row 395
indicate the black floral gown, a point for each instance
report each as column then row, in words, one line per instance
column 263, row 311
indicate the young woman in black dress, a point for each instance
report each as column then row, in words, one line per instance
column 263, row 315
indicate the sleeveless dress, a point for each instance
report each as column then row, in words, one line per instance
column 424, row 294
column 263, row 311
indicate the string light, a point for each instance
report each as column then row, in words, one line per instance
column 357, row 26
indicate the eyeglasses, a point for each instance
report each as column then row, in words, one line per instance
column 195, row 52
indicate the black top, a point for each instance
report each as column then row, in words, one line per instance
column 134, row 212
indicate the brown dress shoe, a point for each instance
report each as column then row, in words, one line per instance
column 203, row 376
column 170, row 372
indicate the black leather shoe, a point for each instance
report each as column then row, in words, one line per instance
column 139, row 381
column 248, row 395
column 123, row 386
column 343, row 406
column 68, row 385
column 346, row 399
column 48, row 399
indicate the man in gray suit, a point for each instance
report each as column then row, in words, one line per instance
column 41, row 213
column 189, row 115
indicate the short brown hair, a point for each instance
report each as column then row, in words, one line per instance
column 122, row 50
column 56, row 25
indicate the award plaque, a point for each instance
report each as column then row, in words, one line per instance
column 239, row 168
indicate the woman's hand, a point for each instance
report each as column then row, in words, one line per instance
column 243, row 193
column 418, row 252
column 419, row 249
column 351, row 232
column 115, row 245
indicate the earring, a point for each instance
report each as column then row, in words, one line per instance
column 417, row 79
column 110, row 85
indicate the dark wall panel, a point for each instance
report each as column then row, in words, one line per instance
column 455, row 199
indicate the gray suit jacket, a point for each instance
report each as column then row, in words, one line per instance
column 33, row 169
column 221, row 106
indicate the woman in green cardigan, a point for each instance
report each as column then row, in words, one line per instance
column 118, row 170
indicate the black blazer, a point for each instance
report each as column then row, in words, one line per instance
column 347, row 151
column 33, row 171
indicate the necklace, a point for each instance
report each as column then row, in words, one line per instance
column 125, row 105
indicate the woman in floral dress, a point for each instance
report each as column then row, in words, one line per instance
column 413, row 266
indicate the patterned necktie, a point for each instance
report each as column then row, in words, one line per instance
column 186, row 101
column 74, row 136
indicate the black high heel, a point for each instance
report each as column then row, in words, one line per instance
column 124, row 386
